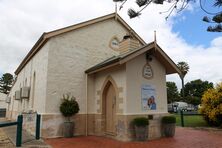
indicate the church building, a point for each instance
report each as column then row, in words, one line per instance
column 112, row 72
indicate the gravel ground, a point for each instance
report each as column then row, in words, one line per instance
column 4, row 140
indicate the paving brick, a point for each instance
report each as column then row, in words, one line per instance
column 184, row 138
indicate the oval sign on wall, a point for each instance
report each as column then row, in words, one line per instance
column 114, row 43
column 147, row 71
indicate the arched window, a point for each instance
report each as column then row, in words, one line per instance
column 33, row 90
column 25, row 81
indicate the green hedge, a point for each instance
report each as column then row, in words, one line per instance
column 141, row 121
column 169, row 119
column 69, row 106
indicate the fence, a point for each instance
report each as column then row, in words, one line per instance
column 182, row 114
column 19, row 123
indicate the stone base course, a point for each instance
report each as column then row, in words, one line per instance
column 52, row 125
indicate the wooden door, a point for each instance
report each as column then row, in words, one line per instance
column 110, row 110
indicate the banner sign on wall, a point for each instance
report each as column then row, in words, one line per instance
column 148, row 96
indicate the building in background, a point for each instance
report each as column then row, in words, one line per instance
column 3, row 105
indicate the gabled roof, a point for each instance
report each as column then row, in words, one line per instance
column 152, row 48
column 47, row 35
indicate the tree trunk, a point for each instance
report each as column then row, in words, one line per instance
column 183, row 89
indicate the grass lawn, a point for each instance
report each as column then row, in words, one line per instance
column 191, row 121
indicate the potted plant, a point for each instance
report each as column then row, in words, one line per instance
column 68, row 108
column 141, row 128
column 168, row 126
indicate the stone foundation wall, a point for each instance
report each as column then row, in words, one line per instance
column 29, row 122
column 126, row 131
column 96, row 125
column 52, row 125
column 124, row 128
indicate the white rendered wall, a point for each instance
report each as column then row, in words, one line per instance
column 91, row 92
column 135, row 80
column 71, row 54
column 38, row 65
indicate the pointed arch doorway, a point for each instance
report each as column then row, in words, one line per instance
column 109, row 108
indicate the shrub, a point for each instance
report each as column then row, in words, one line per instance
column 168, row 119
column 69, row 106
column 141, row 121
column 212, row 105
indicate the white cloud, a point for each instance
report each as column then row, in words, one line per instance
column 22, row 22
column 217, row 42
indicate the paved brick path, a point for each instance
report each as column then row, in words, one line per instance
column 184, row 138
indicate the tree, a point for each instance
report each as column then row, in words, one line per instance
column 6, row 83
column 172, row 92
column 216, row 17
column 195, row 89
column 180, row 5
column 184, row 68
column 212, row 105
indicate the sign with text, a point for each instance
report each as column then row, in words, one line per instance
column 147, row 71
column 148, row 97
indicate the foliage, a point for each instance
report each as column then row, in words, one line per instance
column 216, row 17
column 178, row 6
column 69, row 106
column 6, row 83
column 141, row 121
column 192, row 100
column 184, row 68
column 168, row 119
column 212, row 105
column 172, row 92
column 194, row 90
column 218, row 3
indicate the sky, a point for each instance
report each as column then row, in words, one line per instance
column 183, row 36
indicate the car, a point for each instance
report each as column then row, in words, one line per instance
column 190, row 108
column 170, row 108
column 177, row 106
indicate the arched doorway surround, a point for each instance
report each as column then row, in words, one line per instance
column 109, row 106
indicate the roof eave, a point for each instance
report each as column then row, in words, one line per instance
column 41, row 41
column 102, row 66
column 174, row 68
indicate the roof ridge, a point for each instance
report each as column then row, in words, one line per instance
column 88, row 20
column 47, row 35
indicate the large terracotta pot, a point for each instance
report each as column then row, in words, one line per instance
column 169, row 129
column 141, row 133
column 68, row 129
